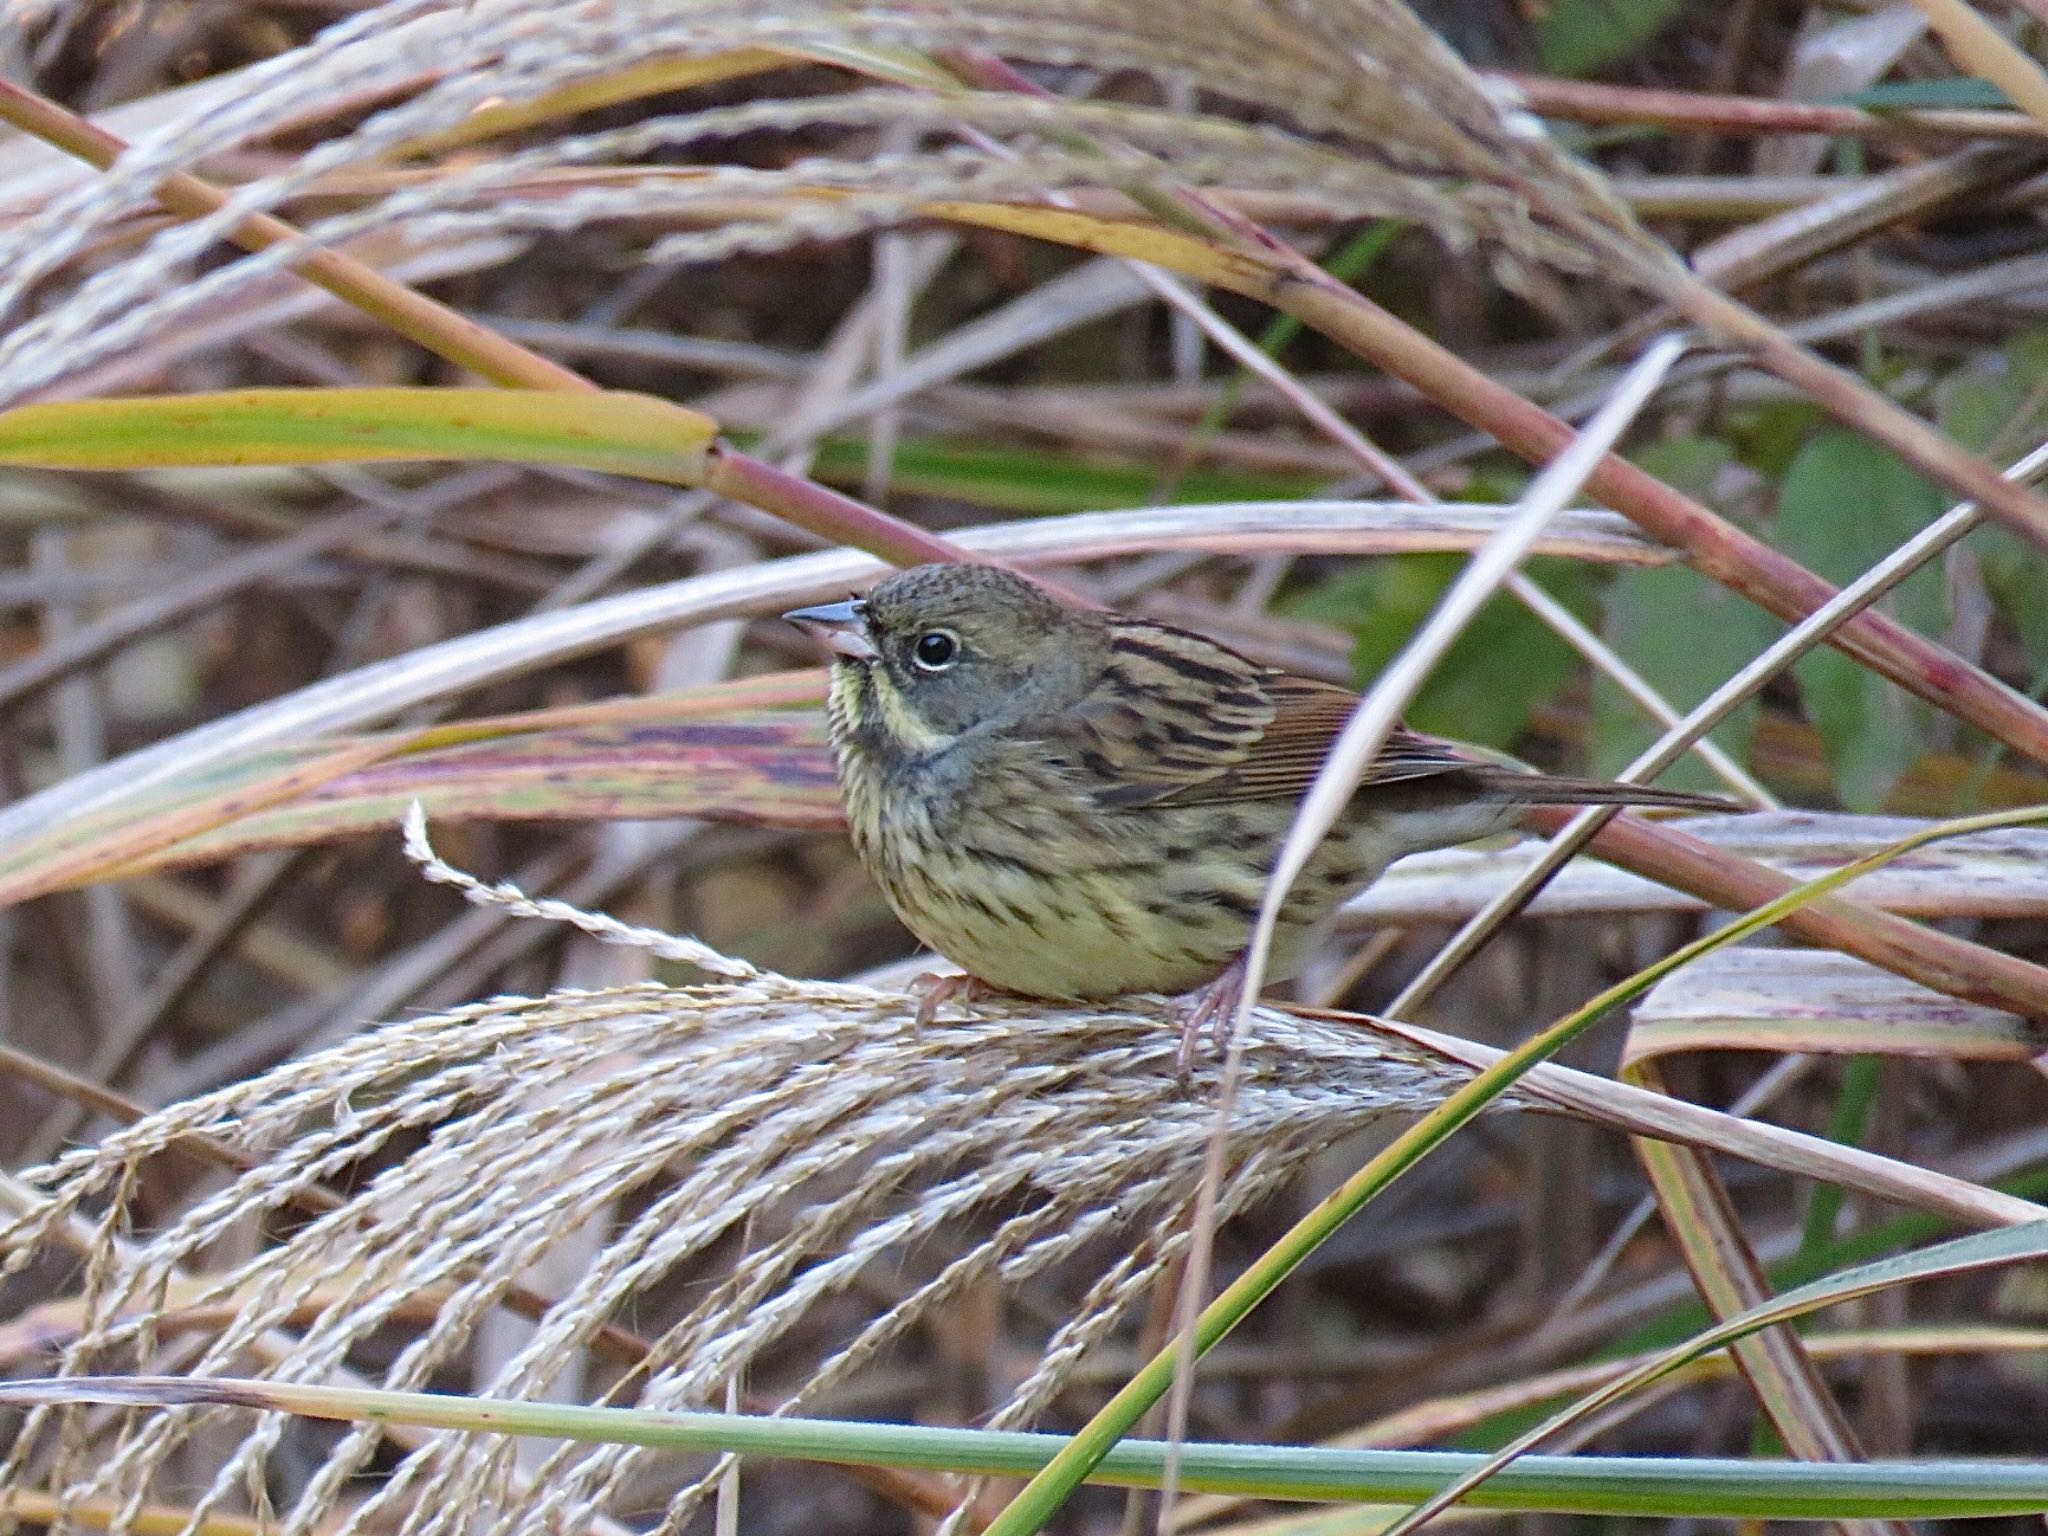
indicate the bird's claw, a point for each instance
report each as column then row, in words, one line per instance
column 933, row 991
column 1214, row 1003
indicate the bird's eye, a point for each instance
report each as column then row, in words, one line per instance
column 936, row 649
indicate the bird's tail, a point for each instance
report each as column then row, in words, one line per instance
column 1548, row 789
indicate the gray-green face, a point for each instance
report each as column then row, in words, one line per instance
column 940, row 650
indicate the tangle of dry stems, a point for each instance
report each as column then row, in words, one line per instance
column 1361, row 104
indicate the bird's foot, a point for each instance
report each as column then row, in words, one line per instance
column 1213, row 1003
column 933, row 991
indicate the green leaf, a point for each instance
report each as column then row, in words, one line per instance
column 1995, row 406
column 1490, row 684
column 1575, row 37
column 1844, row 504
column 1769, row 438
column 1642, row 1486
column 1873, row 732
column 1039, row 481
column 1899, row 95
column 1690, row 464
column 2017, row 578
column 2000, row 396
column 1685, row 635
column 1960, row 1255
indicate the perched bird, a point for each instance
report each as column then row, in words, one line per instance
column 1074, row 804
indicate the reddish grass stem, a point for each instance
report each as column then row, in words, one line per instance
column 1940, row 961
column 1587, row 101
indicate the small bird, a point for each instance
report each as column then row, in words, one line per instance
column 1074, row 804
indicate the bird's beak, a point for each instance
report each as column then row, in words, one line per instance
column 840, row 627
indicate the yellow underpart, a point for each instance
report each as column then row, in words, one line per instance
column 1071, row 953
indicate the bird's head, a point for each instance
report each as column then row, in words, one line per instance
column 937, row 651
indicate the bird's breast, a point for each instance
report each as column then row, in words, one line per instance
column 1002, row 860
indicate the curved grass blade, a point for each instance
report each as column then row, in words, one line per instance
column 649, row 77
column 628, row 758
column 1507, row 1404
column 760, row 770
column 1493, row 1412
column 1817, row 1002
column 375, row 693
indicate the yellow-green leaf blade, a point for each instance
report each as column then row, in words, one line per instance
column 611, row 430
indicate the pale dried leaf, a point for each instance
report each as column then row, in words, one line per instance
column 1987, row 874
column 1817, row 1000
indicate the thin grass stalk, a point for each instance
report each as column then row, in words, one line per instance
column 1380, row 708
column 1616, row 668
column 1855, row 403
column 1361, row 740
column 1593, row 101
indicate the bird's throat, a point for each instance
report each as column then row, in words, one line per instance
column 870, row 711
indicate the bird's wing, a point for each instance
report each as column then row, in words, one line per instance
column 1172, row 711
column 1180, row 720
column 1307, row 717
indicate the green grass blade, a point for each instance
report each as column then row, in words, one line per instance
column 1669, row 1487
